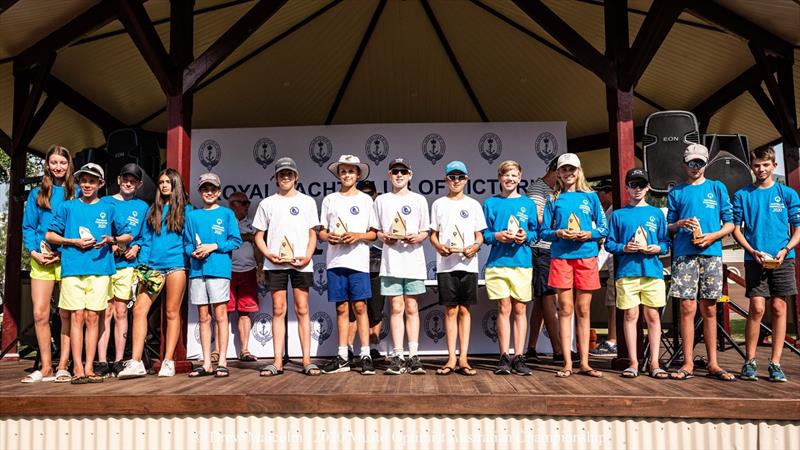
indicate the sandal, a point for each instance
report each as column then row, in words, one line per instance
column 221, row 372
column 630, row 372
column 36, row 377
column 200, row 372
column 79, row 380
column 214, row 357
column 311, row 370
column 94, row 379
column 466, row 370
column 445, row 370
column 659, row 374
column 270, row 371
column 63, row 376
column 681, row 374
column 722, row 375
column 594, row 373
column 564, row 373
column 247, row 356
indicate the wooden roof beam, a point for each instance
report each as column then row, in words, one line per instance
column 6, row 143
column 229, row 41
column 354, row 63
column 738, row 25
column 91, row 19
column 38, row 76
column 654, row 29
column 82, row 105
column 727, row 93
column 785, row 116
column 141, row 30
column 38, row 120
column 766, row 106
column 597, row 141
column 6, row 4
column 568, row 37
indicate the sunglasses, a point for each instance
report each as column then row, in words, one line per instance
column 399, row 171
column 641, row 184
column 696, row 164
column 456, row 177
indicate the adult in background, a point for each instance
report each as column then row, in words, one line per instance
column 609, row 346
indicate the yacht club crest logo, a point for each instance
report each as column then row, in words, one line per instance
column 320, row 150
column 546, row 146
column 490, row 147
column 489, row 323
column 377, row 148
column 210, row 153
column 264, row 152
column 262, row 328
column 434, row 325
column 320, row 278
column 321, row 326
column 433, row 148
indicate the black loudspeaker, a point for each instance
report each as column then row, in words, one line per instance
column 728, row 160
column 93, row 155
column 130, row 145
column 666, row 135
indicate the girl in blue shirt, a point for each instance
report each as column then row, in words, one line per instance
column 574, row 222
column 162, row 249
column 57, row 186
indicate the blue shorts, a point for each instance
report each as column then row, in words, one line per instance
column 348, row 285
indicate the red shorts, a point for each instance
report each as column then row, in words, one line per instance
column 244, row 292
column 580, row 273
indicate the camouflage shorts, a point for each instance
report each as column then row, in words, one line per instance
column 694, row 271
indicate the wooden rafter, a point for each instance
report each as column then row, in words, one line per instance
column 41, row 116
column 727, row 93
column 229, row 41
column 91, row 19
column 654, row 29
column 141, row 30
column 6, row 143
column 38, row 75
column 785, row 117
column 80, row 104
column 6, row 4
column 567, row 36
column 766, row 105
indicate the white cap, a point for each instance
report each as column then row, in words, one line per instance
column 568, row 159
column 695, row 151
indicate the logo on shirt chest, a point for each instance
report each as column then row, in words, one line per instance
column 776, row 205
column 710, row 201
column 217, row 228
column 406, row 210
column 133, row 219
column 585, row 208
column 354, row 210
column 294, row 210
column 651, row 224
column 464, row 213
column 101, row 220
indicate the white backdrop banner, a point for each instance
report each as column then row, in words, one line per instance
column 244, row 157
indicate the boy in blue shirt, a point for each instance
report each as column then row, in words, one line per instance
column 637, row 234
column 766, row 216
column 84, row 228
column 699, row 216
column 209, row 236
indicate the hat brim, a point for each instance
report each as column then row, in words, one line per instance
column 363, row 169
column 78, row 173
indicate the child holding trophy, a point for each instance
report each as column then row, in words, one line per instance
column 348, row 225
column 574, row 221
column 286, row 236
column 637, row 234
column 512, row 226
column 457, row 222
column 403, row 224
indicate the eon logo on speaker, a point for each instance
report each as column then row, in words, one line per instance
column 671, row 139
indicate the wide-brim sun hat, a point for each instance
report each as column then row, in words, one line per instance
column 350, row 160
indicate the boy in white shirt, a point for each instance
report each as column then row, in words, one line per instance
column 457, row 222
column 287, row 237
column 403, row 224
column 348, row 224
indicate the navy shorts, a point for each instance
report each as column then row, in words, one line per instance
column 348, row 285
column 541, row 270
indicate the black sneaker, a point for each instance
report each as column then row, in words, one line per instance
column 519, row 366
column 367, row 368
column 531, row 355
column 117, row 367
column 558, row 357
column 102, row 369
column 375, row 355
column 504, row 366
column 336, row 365
column 414, row 366
column 396, row 367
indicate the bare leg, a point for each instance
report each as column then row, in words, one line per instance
column 221, row 316
column 303, row 323
column 464, row 327
column 751, row 331
column 503, row 324
column 653, row 319
column 245, row 324
column 582, row 308
column 520, row 326
column 688, row 311
column 708, row 308
column 537, row 317
column 41, row 292
column 566, row 308
column 778, row 327
column 140, row 310
column 612, row 323
column 93, row 319
column 451, row 329
column 629, row 325
column 412, row 319
column 550, row 315
column 105, row 333
column 76, row 340
column 278, row 326
column 120, row 329
column 176, row 285
column 362, row 322
column 204, row 318
column 396, row 322
column 66, row 325
column 343, row 322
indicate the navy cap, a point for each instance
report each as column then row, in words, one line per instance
column 636, row 174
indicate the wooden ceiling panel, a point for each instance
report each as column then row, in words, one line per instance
column 28, row 21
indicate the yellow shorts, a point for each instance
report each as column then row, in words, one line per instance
column 633, row 291
column 514, row 282
column 50, row 272
column 122, row 283
column 90, row 292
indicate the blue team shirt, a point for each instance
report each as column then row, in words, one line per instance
column 213, row 226
column 134, row 213
column 35, row 221
column 163, row 251
column 497, row 210
column 101, row 219
column 709, row 203
column 621, row 228
column 765, row 216
column 586, row 206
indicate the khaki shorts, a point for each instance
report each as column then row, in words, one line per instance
column 50, row 272
column 514, row 282
column 90, row 292
column 633, row 291
column 122, row 283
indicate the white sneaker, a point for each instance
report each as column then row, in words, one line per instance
column 167, row 368
column 133, row 369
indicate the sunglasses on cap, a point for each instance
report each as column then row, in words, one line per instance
column 638, row 184
column 456, row 177
column 696, row 164
column 399, row 171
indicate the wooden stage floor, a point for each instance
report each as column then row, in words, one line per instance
column 351, row 393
